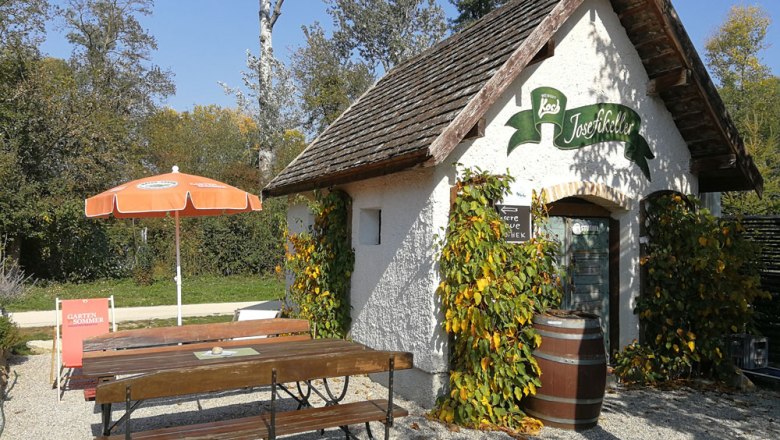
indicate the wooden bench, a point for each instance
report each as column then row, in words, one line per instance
column 245, row 374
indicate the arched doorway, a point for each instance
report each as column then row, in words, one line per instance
column 590, row 253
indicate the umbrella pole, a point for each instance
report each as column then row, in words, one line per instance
column 178, row 271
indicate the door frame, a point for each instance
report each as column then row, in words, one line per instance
column 581, row 208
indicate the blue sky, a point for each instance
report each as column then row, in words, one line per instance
column 205, row 41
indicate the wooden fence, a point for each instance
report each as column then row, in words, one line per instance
column 765, row 230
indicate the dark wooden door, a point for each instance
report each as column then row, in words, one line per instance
column 585, row 257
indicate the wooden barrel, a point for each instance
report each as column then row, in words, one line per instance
column 574, row 370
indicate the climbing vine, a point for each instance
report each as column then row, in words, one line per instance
column 490, row 291
column 321, row 262
column 701, row 283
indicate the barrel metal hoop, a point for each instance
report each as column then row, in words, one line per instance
column 547, row 398
column 562, row 421
column 566, row 322
column 579, row 361
column 554, row 335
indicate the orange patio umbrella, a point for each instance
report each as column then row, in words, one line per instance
column 174, row 193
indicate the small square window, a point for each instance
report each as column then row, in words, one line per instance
column 370, row 226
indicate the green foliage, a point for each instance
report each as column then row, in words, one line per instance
column 212, row 141
column 701, row 282
column 143, row 270
column 386, row 32
column 490, row 291
column 9, row 333
column 471, row 10
column 13, row 281
column 751, row 93
column 328, row 79
column 112, row 55
column 322, row 262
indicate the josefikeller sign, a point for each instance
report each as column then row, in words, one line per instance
column 580, row 127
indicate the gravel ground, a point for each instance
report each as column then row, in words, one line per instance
column 31, row 410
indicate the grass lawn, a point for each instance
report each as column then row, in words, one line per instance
column 195, row 290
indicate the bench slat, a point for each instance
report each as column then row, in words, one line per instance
column 288, row 422
column 151, row 337
column 216, row 377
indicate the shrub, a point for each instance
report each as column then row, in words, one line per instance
column 701, row 282
column 9, row 333
column 322, row 262
column 490, row 291
column 12, row 279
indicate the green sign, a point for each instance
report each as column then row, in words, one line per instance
column 580, row 127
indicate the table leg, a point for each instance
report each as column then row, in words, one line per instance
column 105, row 410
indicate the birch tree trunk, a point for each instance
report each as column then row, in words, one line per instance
column 264, row 68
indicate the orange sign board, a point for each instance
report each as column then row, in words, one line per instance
column 81, row 319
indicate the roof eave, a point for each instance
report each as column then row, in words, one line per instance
column 349, row 175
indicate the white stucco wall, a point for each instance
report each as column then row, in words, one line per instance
column 393, row 299
column 594, row 62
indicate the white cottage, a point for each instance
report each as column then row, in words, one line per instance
column 602, row 103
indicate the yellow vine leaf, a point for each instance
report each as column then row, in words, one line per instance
column 482, row 283
column 484, row 362
column 691, row 345
column 496, row 340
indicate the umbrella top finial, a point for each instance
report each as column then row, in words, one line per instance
column 175, row 169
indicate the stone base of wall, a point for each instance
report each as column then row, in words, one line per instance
column 416, row 385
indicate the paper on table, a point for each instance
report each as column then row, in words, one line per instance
column 246, row 351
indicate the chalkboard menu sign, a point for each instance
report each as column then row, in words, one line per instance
column 518, row 219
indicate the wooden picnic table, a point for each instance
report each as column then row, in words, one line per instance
column 107, row 364
column 155, row 372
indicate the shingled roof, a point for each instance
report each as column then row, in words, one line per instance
column 421, row 109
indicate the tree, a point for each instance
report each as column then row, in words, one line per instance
column 211, row 141
column 471, row 10
column 22, row 23
column 752, row 95
column 69, row 129
column 267, row 93
column 112, row 52
column 386, row 32
column 328, row 81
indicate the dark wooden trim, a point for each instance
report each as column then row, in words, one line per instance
column 614, row 286
column 712, row 163
column 361, row 172
column 500, row 81
column 568, row 209
column 477, row 131
column 674, row 78
column 547, row 51
column 453, row 197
